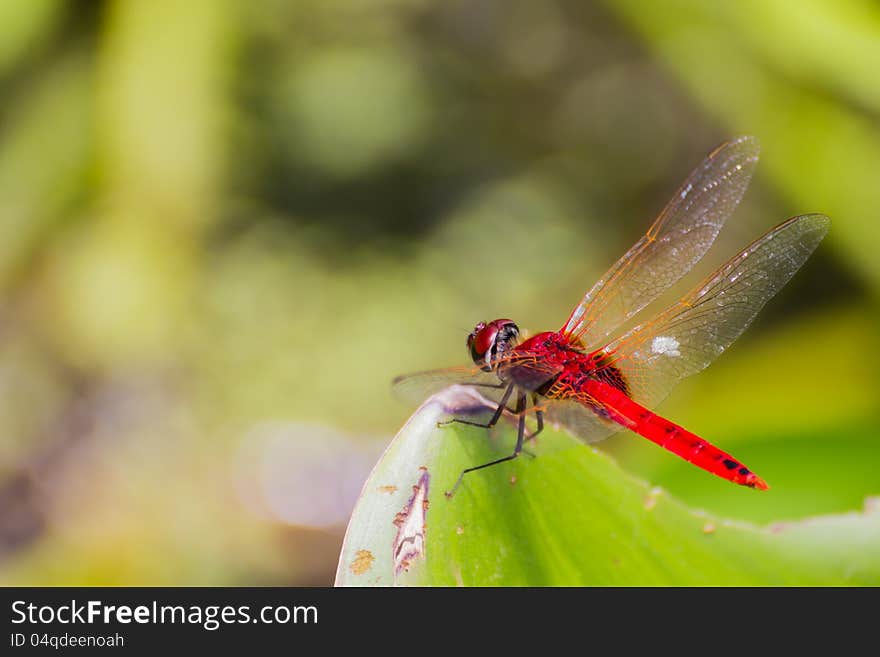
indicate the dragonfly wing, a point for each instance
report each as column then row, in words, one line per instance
column 689, row 335
column 533, row 368
column 579, row 420
column 418, row 386
column 676, row 241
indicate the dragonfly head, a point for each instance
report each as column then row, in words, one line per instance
column 488, row 341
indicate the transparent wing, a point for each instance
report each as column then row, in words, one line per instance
column 579, row 420
column 676, row 241
column 689, row 335
column 533, row 371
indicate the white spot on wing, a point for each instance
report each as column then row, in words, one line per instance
column 665, row 344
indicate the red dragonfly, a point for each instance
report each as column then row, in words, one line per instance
column 584, row 379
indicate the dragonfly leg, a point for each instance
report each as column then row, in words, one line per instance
column 502, row 406
column 520, row 409
column 539, row 415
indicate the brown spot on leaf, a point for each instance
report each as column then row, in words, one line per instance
column 409, row 543
column 512, row 480
column 709, row 528
column 459, row 530
column 363, row 561
column 388, row 489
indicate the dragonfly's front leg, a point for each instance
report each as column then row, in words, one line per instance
column 520, row 410
column 502, row 406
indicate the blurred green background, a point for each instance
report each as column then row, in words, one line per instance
column 224, row 227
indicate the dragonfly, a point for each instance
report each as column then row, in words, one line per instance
column 593, row 383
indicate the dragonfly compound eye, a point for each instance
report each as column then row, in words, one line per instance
column 490, row 339
column 473, row 334
column 480, row 341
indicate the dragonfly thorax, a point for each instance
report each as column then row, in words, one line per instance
column 488, row 341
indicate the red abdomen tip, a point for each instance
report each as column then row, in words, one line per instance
column 755, row 481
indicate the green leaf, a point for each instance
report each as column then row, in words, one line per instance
column 568, row 515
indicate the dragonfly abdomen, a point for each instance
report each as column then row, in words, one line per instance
column 678, row 440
